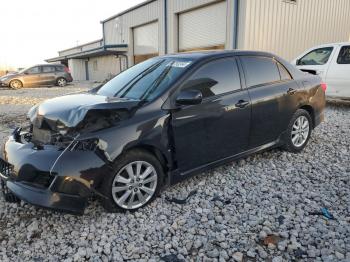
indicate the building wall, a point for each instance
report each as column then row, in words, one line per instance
column 122, row 34
column 81, row 48
column 103, row 67
column 77, row 68
column 288, row 29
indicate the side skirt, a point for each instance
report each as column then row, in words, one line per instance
column 177, row 176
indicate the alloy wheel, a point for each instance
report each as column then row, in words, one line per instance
column 15, row 84
column 134, row 185
column 300, row 131
column 61, row 82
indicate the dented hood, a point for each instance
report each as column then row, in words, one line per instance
column 70, row 110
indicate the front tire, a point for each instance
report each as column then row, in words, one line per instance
column 16, row 84
column 137, row 180
column 61, row 82
column 298, row 132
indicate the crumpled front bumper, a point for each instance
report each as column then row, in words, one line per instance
column 51, row 177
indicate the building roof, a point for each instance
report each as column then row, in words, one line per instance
column 98, row 51
column 82, row 45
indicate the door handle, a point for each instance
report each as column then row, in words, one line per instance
column 291, row 91
column 242, row 103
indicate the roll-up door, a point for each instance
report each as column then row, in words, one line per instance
column 145, row 42
column 203, row 28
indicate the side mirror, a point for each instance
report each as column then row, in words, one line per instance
column 26, row 73
column 189, row 97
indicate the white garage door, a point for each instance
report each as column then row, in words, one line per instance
column 203, row 28
column 145, row 42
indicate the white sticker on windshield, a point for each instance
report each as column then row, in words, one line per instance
column 179, row 64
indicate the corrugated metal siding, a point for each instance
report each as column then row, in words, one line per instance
column 80, row 48
column 77, row 68
column 92, row 45
column 288, row 29
column 122, row 34
column 103, row 67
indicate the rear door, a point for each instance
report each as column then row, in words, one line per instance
column 219, row 126
column 338, row 75
column 274, row 98
column 48, row 75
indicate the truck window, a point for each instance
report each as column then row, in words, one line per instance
column 344, row 55
column 318, row 56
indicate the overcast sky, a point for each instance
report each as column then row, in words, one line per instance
column 34, row 30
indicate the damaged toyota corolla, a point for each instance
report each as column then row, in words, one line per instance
column 155, row 124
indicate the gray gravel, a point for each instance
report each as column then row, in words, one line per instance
column 262, row 211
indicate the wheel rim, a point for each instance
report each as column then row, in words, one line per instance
column 300, row 131
column 15, row 84
column 134, row 185
column 61, row 82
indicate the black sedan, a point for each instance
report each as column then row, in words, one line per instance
column 157, row 123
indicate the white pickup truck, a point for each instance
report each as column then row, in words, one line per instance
column 332, row 63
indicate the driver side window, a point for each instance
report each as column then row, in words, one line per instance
column 215, row 78
column 318, row 56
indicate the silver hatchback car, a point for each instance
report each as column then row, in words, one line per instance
column 46, row 74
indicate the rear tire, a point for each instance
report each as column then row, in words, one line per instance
column 298, row 131
column 129, row 193
column 16, row 84
column 61, row 82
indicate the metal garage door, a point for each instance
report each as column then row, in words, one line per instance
column 203, row 28
column 145, row 42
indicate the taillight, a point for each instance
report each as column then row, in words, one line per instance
column 324, row 86
column 66, row 69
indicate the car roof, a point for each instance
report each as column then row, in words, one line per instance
column 48, row 65
column 198, row 55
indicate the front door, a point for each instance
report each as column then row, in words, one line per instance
column 338, row 75
column 31, row 76
column 219, row 126
column 316, row 61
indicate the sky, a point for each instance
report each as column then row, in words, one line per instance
column 34, row 30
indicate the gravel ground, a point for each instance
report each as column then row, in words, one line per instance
column 262, row 208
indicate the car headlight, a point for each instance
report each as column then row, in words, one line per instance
column 3, row 78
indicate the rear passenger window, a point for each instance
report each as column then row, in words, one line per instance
column 215, row 78
column 344, row 55
column 285, row 75
column 48, row 69
column 59, row 68
column 260, row 70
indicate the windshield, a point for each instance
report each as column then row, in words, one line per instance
column 146, row 80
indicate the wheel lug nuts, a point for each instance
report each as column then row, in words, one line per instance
column 135, row 189
column 140, row 184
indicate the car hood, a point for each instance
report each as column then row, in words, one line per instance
column 71, row 110
column 9, row 75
